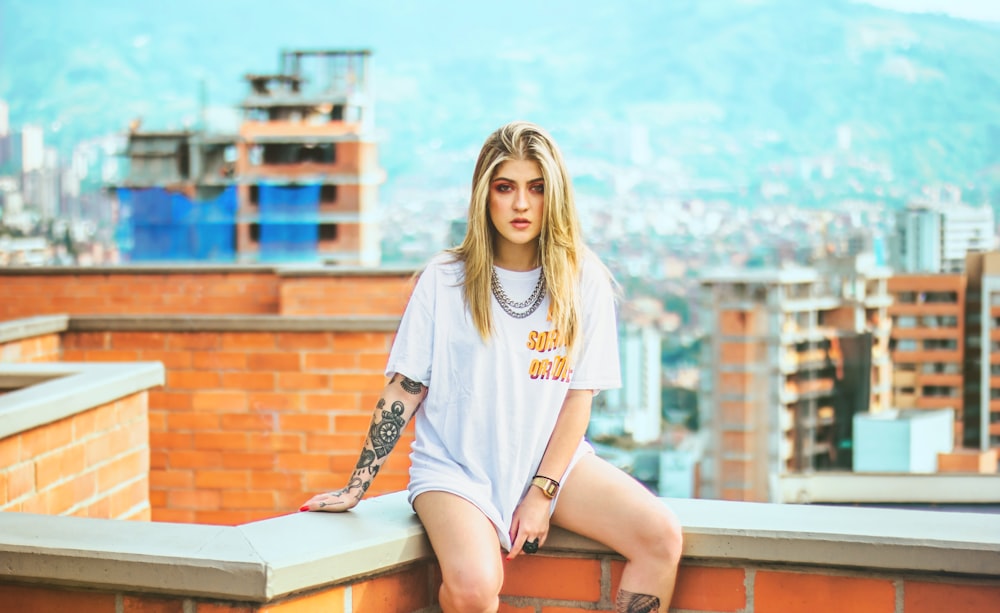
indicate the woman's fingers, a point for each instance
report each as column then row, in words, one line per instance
column 332, row 502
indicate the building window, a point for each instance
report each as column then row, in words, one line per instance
column 939, row 344
column 907, row 297
column 995, row 370
column 906, row 321
column 940, row 391
column 939, row 321
column 327, row 231
column 906, row 344
column 940, row 297
column 906, row 367
column 994, row 393
column 940, row 368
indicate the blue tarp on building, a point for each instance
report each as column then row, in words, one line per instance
column 159, row 225
column 289, row 230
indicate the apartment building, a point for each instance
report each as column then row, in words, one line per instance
column 793, row 354
column 981, row 389
column 934, row 234
column 946, row 346
column 298, row 182
column 927, row 344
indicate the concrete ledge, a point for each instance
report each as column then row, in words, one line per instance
column 58, row 390
column 900, row 488
column 29, row 327
column 134, row 269
column 265, row 560
column 347, row 271
column 230, row 323
column 210, row 269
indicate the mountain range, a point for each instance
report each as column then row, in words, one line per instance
column 708, row 94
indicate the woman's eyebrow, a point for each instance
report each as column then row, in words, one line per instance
column 538, row 180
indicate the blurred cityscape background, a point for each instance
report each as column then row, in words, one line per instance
column 799, row 198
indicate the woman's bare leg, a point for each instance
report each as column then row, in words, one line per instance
column 601, row 502
column 467, row 549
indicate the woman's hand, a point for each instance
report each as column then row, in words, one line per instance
column 530, row 521
column 334, row 502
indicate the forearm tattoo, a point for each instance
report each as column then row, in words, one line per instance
column 630, row 602
column 383, row 434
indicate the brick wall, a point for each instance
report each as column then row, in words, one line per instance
column 210, row 291
column 251, row 424
column 43, row 348
column 346, row 295
column 138, row 293
column 92, row 464
column 544, row 584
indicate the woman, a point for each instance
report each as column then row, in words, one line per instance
column 504, row 342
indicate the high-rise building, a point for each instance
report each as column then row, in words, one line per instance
column 792, row 355
column 4, row 119
column 934, row 235
column 298, row 182
column 928, row 316
column 981, row 392
column 946, row 347
column 32, row 148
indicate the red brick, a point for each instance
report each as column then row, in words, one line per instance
column 219, row 401
column 180, row 360
column 331, row 361
column 271, row 441
column 786, row 592
column 247, row 499
column 925, row 597
column 257, row 422
column 28, row 599
column 263, row 402
column 194, row 421
column 248, row 341
column 193, row 499
column 249, row 380
column 400, row 592
column 274, row 361
column 58, row 464
column 138, row 340
column 579, row 579
column 303, row 381
column 704, row 588
column 253, row 460
column 327, row 601
column 304, row 340
column 219, row 360
column 225, row 441
column 193, row 340
column 193, row 380
column 214, row 607
column 276, row 480
column 194, row 459
column 221, row 479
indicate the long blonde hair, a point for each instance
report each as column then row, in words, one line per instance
column 560, row 245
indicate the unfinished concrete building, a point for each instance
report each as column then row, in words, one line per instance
column 298, row 182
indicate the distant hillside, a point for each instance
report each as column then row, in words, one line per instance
column 721, row 93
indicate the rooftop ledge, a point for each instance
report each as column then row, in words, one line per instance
column 47, row 392
column 269, row 559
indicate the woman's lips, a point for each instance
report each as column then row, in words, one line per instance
column 521, row 224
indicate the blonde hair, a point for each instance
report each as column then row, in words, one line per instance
column 560, row 245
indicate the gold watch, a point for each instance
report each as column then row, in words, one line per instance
column 548, row 486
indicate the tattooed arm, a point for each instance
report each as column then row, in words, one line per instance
column 398, row 403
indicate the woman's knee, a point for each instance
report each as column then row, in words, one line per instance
column 662, row 538
column 473, row 590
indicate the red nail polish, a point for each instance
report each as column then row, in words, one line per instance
column 304, row 508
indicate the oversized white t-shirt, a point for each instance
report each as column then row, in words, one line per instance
column 491, row 406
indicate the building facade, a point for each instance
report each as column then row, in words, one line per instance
column 298, row 182
column 792, row 355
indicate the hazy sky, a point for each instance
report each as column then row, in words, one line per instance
column 979, row 10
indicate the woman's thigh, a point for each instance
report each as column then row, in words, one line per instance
column 607, row 505
column 465, row 542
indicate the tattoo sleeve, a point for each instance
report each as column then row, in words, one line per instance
column 402, row 396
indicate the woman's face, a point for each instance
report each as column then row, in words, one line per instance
column 517, row 195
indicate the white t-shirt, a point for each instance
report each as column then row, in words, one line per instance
column 491, row 406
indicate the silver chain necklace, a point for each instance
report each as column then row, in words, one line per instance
column 516, row 309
